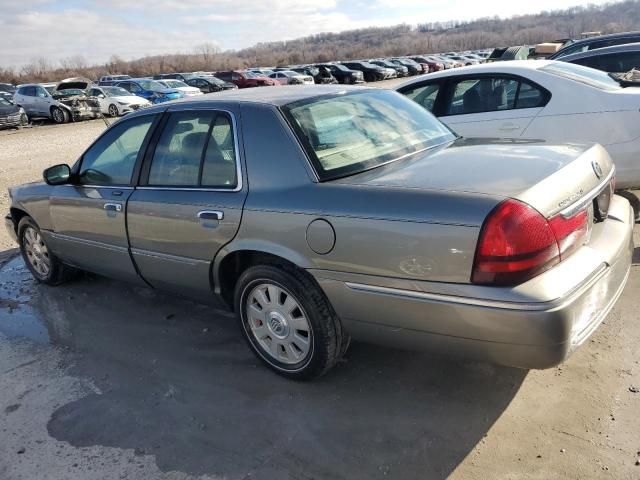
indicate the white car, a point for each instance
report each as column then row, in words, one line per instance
column 538, row 99
column 116, row 101
column 289, row 77
column 182, row 87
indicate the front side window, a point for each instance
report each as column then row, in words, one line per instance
column 196, row 149
column 110, row 161
column 41, row 92
column 346, row 134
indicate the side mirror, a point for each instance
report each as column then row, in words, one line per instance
column 101, row 95
column 57, row 175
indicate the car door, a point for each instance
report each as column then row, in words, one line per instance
column 89, row 215
column 25, row 98
column 102, row 98
column 190, row 199
column 491, row 105
column 42, row 102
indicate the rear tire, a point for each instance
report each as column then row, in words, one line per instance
column 59, row 116
column 288, row 322
column 42, row 263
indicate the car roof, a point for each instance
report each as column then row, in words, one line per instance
column 631, row 47
column 586, row 41
column 276, row 96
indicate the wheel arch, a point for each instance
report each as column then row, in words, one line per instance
column 231, row 262
column 17, row 214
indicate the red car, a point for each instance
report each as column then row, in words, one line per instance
column 428, row 65
column 245, row 79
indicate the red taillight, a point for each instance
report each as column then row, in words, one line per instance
column 517, row 243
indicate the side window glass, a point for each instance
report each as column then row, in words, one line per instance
column 629, row 61
column 219, row 167
column 235, row 76
column 483, row 95
column 424, row 95
column 176, row 160
column 530, row 96
column 110, row 161
column 30, row 91
column 134, row 88
column 41, row 92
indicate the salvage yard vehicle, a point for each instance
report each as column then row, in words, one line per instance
column 595, row 42
column 116, row 101
column 328, row 212
column 150, row 90
column 617, row 59
column 210, row 84
column 11, row 115
column 64, row 102
column 289, row 77
column 542, row 99
column 343, row 74
column 182, row 87
column 109, row 80
column 371, row 72
column 246, row 79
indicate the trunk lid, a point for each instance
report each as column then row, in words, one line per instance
column 548, row 177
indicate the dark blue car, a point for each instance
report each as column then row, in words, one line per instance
column 149, row 89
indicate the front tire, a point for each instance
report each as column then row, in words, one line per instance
column 43, row 264
column 113, row 111
column 288, row 322
column 59, row 116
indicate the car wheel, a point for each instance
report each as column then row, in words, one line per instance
column 288, row 322
column 42, row 263
column 113, row 110
column 58, row 115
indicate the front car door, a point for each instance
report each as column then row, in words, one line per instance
column 491, row 105
column 102, row 98
column 42, row 101
column 89, row 215
column 190, row 199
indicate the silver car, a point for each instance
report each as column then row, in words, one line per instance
column 325, row 213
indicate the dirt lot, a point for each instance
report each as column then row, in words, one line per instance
column 100, row 380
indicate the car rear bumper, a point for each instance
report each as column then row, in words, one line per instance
column 538, row 331
column 10, row 226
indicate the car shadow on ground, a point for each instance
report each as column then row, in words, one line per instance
column 636, row 256
column 177, row 381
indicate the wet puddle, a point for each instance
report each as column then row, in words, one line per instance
column 17, row 316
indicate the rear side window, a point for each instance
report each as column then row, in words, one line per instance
column 196, row 149
column 111, row 160
column 424, row 95
column 493, row 94
column 613, row 62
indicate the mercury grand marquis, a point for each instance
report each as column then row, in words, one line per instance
column 324, row 213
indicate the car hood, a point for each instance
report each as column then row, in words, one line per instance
column 130, row 99
column 74, row 83
column 166, row 91
column 9, row 109
column 515, row 168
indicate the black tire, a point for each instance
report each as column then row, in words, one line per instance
column 113, row 110
column 634, row 201
column 59, row 115
column 57, row 273
column 327, row 338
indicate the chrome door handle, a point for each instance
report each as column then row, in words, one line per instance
column 112, row 207
column 211, row 215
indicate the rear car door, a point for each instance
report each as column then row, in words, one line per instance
column 25, row 97
column 88, row 216
column 190, row 199
column 491, row 105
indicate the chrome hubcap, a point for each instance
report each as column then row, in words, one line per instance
column 113, row 110
column 37, row 252
column 278, row 323
column 58, row 116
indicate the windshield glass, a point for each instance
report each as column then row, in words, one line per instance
column 251, row 75
column 5, row 103
column 50, row 89
column 175, row 83
column 116, row 92
column 151, row 85
column 586, row 75
column 214, row 80
column 350, row 133
column 69, row 91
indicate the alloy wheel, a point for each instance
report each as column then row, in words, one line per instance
column 37, row 252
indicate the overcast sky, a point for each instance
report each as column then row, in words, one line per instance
column 97, row 29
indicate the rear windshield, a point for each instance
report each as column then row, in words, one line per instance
column 346, row 134
column 588, row 76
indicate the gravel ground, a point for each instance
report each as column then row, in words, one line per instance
column 170, row 395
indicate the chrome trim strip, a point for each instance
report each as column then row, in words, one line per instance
column 97, row 186
column 584, row 201
column 188, row 189
column 168, row 257
column 92, row 243
column 478, row 302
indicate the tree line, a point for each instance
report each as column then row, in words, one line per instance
column 423, row 38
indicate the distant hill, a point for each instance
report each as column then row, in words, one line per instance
column 363, row 43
